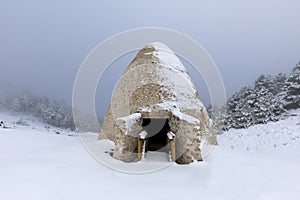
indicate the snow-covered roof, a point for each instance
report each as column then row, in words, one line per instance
column 185, row 117
column 165, row 56
column 160, row 65
column 174, row 109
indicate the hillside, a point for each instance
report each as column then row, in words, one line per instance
column 268, row 136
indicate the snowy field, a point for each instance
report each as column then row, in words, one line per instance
column 36, row 162
column 264, row 136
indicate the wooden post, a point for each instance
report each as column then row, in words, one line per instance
column 139, row 149
column 167, row 146
column 173, row 149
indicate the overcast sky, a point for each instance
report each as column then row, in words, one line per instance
column 43, row 43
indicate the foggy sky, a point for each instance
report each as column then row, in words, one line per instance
column 43, row 43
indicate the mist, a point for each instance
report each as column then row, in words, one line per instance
column 43, row 43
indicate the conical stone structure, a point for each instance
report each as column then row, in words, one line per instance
column 157, row 87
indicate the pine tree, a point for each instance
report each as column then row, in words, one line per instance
column 13, row 103
column 267, row 82
column 51, row 112
column 239, row 115
column 267, row 106
column 218, row 116
column 261, row 109
column 293, row 89
column 255, row 105
column 280, row 81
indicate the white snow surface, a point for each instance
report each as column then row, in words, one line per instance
column 264, row 136
column 39, row 164
column 28, row 123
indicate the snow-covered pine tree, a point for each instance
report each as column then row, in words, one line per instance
column 27, row 105
column 267, row 106
column 261, row 112
column 232, row 109
column 266, row 81
column 255, row 105
column 54, row 113
column 279, row 82
column 292, row 85
column 13, row 103
column 2, row 103
column 48, row 111
column 218, row 116
column 238, row 110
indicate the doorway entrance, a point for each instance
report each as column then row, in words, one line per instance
column 157, row 130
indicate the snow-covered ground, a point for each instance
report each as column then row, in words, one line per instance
column 27, row 123
column 264, row 136
column 41, row 164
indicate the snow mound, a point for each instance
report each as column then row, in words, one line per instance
column 264, row 136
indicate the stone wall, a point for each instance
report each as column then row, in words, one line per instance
column 126, row 141
column 187, row 141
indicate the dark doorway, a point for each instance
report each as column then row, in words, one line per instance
column 157, row 130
